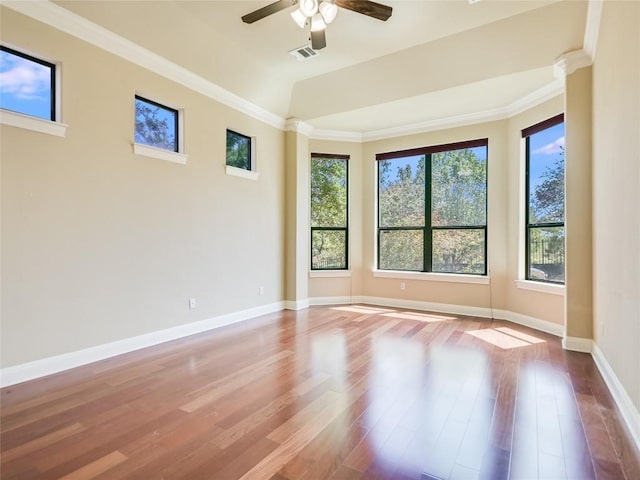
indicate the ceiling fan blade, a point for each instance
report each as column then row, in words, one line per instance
column 318, row 40
column 371, row 9
column 266, row 11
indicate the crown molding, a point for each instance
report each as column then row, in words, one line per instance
column 570, row 62
column 535, row 98
column 592, row 28
column 79, row 27
column 297, row 125
column 58, row 17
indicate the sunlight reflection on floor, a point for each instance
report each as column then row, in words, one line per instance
column 505, row 338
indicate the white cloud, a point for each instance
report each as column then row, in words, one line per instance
column 24, row 79
column 551, row 148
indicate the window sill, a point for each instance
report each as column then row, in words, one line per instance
column 34, row 124
column 433, row 277
column 242, row 173
column 540, row 287
column 329, row 273
column 160, row 154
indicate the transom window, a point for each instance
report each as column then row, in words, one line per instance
column 156, row 125
column 432, row 209
column 329, row 211
column 545, row 200
column 27, row 84
column 239, row 152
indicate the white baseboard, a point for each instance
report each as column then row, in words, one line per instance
column 629, row 411
column 344, row 300
column 47, row 366
column 296, row 304
column 427, row 306
column 531, row 322
column 482, row 312
column 577, row 344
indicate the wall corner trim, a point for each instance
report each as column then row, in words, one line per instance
column 48, row 366
column 630, row 413
column 296, row 304
column 577, row 344
column 570, row 62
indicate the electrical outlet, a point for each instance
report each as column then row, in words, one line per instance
column 602, row 329
column 192, row 303
column 403, row 286
column 261, row 290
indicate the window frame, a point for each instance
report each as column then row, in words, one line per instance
column 251, row 153
column 428, row 228
column 526, row 134
column 54, row 112
column 345, row 229
column 176, row 129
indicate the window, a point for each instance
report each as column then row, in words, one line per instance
column 544, row 185
column 156, row 125
column 329, row 211
column 27, row 84
column 239, row 151
column 432, row 209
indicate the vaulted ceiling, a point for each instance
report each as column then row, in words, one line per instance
column 432, row 59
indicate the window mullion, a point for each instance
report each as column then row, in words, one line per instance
column 527, row 235
column 427, row 235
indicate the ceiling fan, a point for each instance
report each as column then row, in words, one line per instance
column 318, row 14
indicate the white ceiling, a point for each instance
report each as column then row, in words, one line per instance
column 432, row 59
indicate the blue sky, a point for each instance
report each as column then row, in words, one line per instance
column 545, row 148
column 25, row 86
column 480, row 152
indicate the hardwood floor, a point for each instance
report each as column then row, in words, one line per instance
column 348, row 392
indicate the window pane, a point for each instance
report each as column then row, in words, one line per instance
column 328, row 192
column 156, row 125
column 546, row 254
column 238, row 150
column 401, row 250
column 328, row 249
column 26, row 85
column 401, row 192
column 459, row 187
column 546, row 176
column 458, row 251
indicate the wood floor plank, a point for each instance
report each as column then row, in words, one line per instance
column 349, row 392
column 97, row 467
column 41, row 442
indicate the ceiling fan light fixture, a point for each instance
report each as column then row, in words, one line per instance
column 299, row 18
column 309, row 7
column 317, row 23
column 328, row 10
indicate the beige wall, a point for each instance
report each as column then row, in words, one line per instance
column 616, row 192
column 99, row 244
column 505, row 220
column 504, row 204
column 526, row 302
column 578, row 264
column 332, row 287
column 296, row 218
